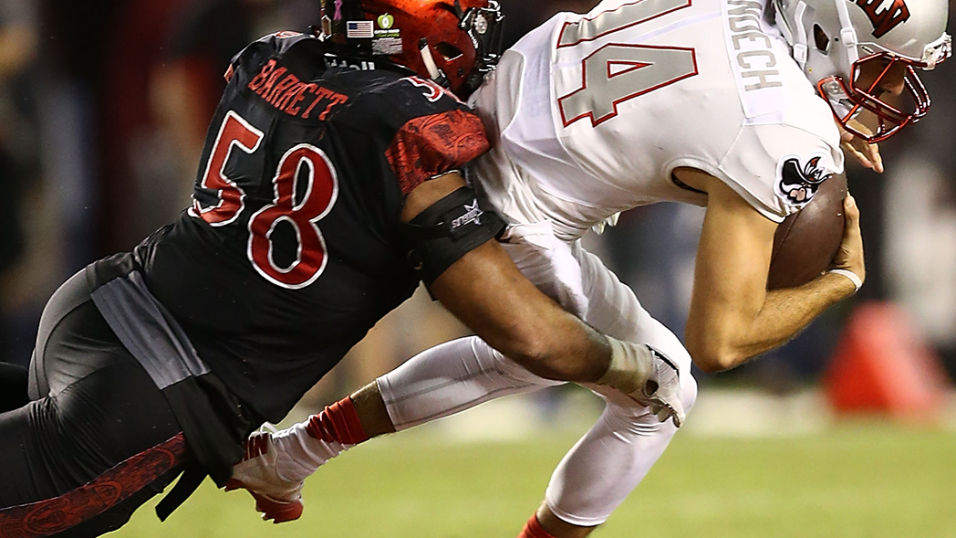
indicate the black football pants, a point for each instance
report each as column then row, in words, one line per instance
column 97, row 439
column 13, row 387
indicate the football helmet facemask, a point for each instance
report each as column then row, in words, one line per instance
column 862, row 55
column 453, row 42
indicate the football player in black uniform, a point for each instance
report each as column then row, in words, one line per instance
column 328, row 188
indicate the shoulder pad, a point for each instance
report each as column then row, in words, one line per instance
column 409, row 95
column 431, row 90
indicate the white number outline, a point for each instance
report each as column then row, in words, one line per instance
column 197, row 210
column 295, row 207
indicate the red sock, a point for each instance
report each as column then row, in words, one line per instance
column 533, row 529
column 338, row 422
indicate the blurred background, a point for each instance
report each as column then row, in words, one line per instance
column 103, row 110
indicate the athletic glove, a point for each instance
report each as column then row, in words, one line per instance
column 272, row 476
column 647, row 376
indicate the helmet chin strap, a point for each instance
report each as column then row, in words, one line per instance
column 800, row 46
column 847, row 34
column 796, row 36
column 800, row 41
column 434, row 72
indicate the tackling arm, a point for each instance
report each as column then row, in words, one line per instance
column 732, row 315
column 487, row 293
column 485, row 290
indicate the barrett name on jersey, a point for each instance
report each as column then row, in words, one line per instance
column 291, row 249
column 593, row 113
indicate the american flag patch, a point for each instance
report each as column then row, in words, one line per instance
column 358, row 29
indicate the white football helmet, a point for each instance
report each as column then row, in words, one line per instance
column 848, row 48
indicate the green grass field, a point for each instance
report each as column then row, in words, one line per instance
column 859, row 480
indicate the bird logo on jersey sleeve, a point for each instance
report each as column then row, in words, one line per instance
column 797, row 182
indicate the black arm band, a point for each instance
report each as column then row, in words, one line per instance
column 446, row 231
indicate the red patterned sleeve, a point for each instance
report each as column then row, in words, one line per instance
column 430, row 145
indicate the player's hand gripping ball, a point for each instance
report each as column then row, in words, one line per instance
column 806, row 242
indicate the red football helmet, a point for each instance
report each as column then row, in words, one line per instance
column 453, row 42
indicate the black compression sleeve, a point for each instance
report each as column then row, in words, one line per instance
column 447, row 230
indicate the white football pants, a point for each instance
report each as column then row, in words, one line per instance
column 614, row 456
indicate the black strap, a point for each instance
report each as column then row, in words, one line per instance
column 214, row 438
column 447, row 230
column 189, row 481
column 435, row 221
column 213, row 420
column 214, row 426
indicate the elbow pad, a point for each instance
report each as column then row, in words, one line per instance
column 446, row 231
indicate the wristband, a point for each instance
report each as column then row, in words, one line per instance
column 850, row 275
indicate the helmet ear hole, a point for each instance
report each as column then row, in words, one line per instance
column 820, row 39
column 448, row 51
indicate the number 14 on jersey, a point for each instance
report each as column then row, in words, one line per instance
column 617, row 72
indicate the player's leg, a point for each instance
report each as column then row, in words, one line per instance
column 461, row 374
column 604, row 466
column 451, row 378
column 613, row 457
column 585, row 488
column 97, row 441
column 436, row 383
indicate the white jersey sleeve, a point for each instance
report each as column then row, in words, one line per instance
column 777, row 168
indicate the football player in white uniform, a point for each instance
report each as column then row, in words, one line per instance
column 710, row 102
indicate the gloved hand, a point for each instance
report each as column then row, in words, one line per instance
column 647, row 376
column 260, row 472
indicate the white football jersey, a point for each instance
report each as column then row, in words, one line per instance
column 590, row 114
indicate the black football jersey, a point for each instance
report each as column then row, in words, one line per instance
column 291, row 252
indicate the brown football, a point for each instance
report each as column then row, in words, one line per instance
column 805, row 242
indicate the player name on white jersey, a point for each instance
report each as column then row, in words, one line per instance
column 755, row 62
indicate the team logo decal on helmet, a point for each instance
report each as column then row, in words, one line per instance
column 797, row 183
column 885, row 19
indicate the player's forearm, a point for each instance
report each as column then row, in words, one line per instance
column 785, row 312
column 487, row 293
column 563, row 348
column 485, row 290
column 544, row 339
column 788, row 311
